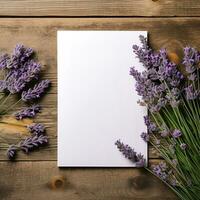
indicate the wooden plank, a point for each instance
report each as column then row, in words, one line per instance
column 43, row 180
column 99, row 8
column 40, row 34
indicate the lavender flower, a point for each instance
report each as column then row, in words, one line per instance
column 145, row 136
column 191, row 60
column 28, row 112
column 141, row 162
column 19, row 56
column 11, row 152
column 150, row 125
column 35, row 92
column 129, row 153
column 165, row 173
column 17, row 79
column 176, row 133
column 191, row 93
column 153, row 84
column 33, row 142
column 160, row 170
column 37, row 129
column 4, row 61
column 183, row 146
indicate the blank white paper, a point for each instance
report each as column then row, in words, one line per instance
column 97, row 101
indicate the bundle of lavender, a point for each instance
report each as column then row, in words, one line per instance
column 172, row 97
column 20, row 73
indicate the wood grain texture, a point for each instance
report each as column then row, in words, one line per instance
column 43, row 180
column 36, row 176
column 100, row 8
column 40, row 34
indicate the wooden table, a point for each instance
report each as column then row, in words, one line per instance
column 171, row 24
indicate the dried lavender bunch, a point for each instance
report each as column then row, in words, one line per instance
column 161, row 74
column 29, row 112
column 173, row 102
column 19, row 71
column 33, row 142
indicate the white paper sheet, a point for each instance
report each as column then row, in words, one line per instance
column 97, row 101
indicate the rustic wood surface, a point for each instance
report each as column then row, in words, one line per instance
column 36, row 176
column 99, row 8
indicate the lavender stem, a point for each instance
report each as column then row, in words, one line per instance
column 11, row 107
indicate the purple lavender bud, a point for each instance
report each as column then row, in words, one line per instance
column 191, row 60
column 141, row 161
column 150, row 125
column 17, row 79
column 31, row 71
column 37, row 129
column 176, row 133
column 129, row 153
column 11, row 152
column 161, row 171
column 145, row 136
column 135, row 74
column 183, row 146
column 28, row 112
column 33, row 142
column 191, row 93
column 36, row 92
column 19, row 56
column 4, row 59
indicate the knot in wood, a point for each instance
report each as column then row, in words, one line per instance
column 57, row 182
column 173, row 57
column 139, row 182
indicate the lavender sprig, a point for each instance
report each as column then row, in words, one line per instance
column 151, row 126
column 19, row 56
column 28, row 112
column 33, row 142
column 191, row 60
column 130, row 153
column 145, row 136
column 35, row 92
column 17, row 79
